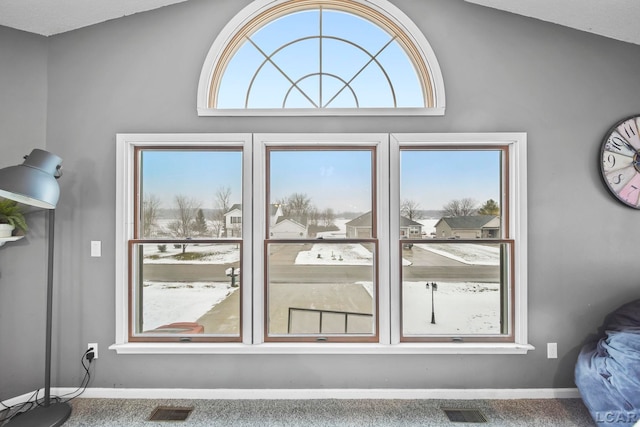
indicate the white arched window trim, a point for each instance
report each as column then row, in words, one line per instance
column 218, row 52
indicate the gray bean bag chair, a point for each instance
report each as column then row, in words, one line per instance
column 607, row 372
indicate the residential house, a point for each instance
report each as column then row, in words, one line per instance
column 233, row 219
column 361, row 227
column 468, row 227
column 289, row 228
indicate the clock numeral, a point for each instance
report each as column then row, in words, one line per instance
column 619, row 178
column 609, row 161
column 617, row 144
column 630, row 193
column 629, row 130
column 613, row 161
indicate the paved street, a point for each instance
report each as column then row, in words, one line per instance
column 425, row 265
column 325, row 287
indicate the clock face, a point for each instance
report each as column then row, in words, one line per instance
column 620, row 156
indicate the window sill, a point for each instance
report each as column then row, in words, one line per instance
column 297, row 348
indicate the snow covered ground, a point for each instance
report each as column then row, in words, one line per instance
column 168, row 302
column 335, row 254
column 219, row 253
column 460, row 307
column 466, row 253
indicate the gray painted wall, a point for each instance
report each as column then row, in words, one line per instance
column 23, row 108
column 502, row 72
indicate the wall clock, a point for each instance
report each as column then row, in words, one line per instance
column 620, row 155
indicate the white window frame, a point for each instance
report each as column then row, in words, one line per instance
column 380, row 142
column 517, row 197
column 125, row 206
column 254, row 197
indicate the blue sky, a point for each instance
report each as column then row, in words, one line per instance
column 340, row 180
column 196, row 174
column 337, row 179
column 354, row 52
column 433, row 178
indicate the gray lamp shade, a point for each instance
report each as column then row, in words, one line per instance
column 34, row 181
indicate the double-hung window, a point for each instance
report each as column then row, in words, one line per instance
column 459, row 275
column 183, row 260
column 389, row 242
column 323, row 220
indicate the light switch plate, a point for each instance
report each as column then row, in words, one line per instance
column 552, row 350
column 96, row 248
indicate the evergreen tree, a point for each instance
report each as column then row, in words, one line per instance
column 490, row 207
column 200, row 226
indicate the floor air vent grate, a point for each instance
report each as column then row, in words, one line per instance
column 170, row 413
column 465, row 415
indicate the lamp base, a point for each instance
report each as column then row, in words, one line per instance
column 43, row 416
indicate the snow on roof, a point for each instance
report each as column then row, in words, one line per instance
column 364, row 220
column 238, row 206
column 467, row 222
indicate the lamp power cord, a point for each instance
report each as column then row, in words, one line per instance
column 8, row 412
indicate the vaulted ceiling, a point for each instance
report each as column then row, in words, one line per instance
column 619, row 20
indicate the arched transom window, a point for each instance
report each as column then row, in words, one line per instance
column 323, row 57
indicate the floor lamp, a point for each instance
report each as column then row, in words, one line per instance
column 34, row 183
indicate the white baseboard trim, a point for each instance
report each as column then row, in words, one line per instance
column 302, row 394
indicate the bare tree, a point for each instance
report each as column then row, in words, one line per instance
column 184, row 225
column 223, row 205
column 314, row 216
column 410, row 209
column 298, row 205
column 460, row 207
column 328, row 217
column 223, row 198
column 150, row 207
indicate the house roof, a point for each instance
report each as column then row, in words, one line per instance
column 234, row 207
column 364, row 220
column 301, row 222
column 238, row 206
column 467, row 222
column 406, row 222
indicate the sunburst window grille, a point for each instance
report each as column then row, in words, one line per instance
column 322, row 55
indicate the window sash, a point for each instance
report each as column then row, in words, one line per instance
column 513, row 205
column 334, row 288
column 502, row 306
column 263, row 144
column 181, row 330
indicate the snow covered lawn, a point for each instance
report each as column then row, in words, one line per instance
column 168, row 302
column 460, row 308
column 218, row 253
column 335, row 254
column 472, row 254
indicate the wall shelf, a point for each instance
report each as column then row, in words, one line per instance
column 4, row 240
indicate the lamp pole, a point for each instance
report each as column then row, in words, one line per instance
column 434, row 287
column 34, row 183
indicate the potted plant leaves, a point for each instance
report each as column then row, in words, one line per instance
column 11, row 217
